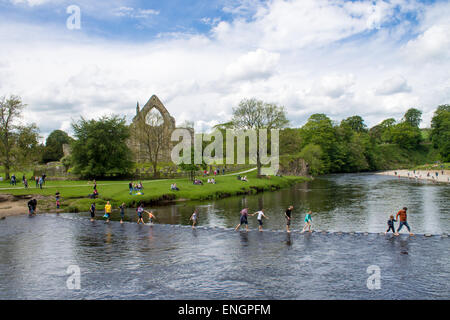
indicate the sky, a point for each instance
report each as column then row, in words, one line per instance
column 373, row 58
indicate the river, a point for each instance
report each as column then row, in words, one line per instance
column 169, row 260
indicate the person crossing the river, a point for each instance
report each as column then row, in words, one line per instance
column 108, row 209
column 261, row 215
column 288, row 216
column 244, row 219
column 403, row 221
column 194, row 218
column 308, row 221
column 391, row 225
column 122, row 212
column 92, row 211
column 151, row 216
column 140, row 210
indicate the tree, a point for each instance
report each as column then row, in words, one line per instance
column 253, row 114
column 27, row 149
column 406, row 135
column 413, row 117
column 440, row 131
column 312, row 154
column 10, row 112
column 382, row 132
column 151, row 134
column 100, row 147
column 53, row 150
column 356, row 123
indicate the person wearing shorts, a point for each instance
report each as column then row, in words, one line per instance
column 108, row 209
column 308, row 221
column 140, row 210
column 243, row 219
column 261, row 215
column 194, row 218
column 288, row 216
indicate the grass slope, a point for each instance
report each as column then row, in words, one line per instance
column 74, row 194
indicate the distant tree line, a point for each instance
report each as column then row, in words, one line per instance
column 99, row 147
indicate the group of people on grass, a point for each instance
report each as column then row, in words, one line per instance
column 40, row 181
column 138, row 187
column 215, row 172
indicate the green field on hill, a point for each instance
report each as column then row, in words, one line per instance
column 74, row 194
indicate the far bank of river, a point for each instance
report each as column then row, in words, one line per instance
column 428, row 175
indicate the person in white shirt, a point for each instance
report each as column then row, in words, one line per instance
column 261, row 215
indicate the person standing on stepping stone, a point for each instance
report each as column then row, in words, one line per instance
column 403, row 221
column 244, row 219
column 288, row 216
column 308, row 221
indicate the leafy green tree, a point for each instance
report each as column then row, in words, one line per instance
column 406, row 136
column 312, row 154
column 382, row 132
column 27, row 149
column 53, row 150
column 100, row 148
column 356, row 123
column 253, row 114
column 10, row 112
column 440, row 131
column 291, row 141
column 413, row 117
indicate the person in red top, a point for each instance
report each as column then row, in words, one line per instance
column 403, row 222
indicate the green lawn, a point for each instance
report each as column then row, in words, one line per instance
column 74, row 194
column 439, row 166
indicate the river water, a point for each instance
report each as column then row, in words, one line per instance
column 169, row 260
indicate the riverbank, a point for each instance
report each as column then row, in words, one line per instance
column 74, row 194
column 426, row 175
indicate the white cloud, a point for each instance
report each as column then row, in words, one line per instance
column 30, row 3
column 289, row 53
column 253, row 65
column 393, row 85
column 134, row 13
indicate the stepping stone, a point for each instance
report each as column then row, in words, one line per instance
column 427, row 234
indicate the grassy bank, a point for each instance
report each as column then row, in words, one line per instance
column 74, row 194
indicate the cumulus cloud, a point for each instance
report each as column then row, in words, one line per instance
column 393, row 85
column 334, row 57
column 253, row 65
